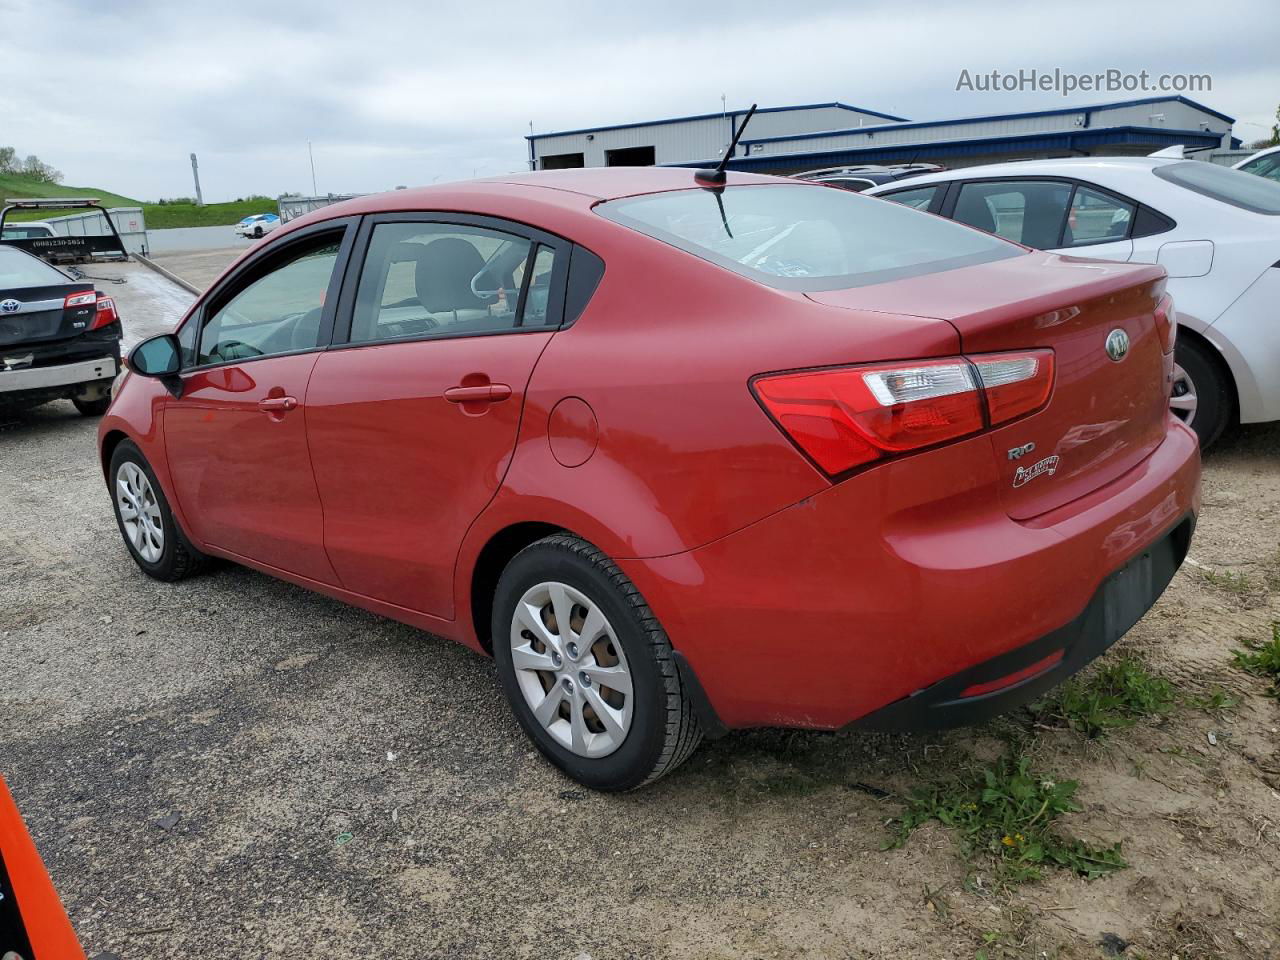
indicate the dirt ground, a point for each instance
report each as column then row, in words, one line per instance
column 232, row 766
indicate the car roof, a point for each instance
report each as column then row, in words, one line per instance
column 1264, row 152
column 1066, row 167
column 598, row 183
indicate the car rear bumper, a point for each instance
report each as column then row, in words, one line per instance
column 66, row 374
column 1017, row 677
column 910, row 578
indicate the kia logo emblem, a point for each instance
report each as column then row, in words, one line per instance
column 1117, row 345
column 9, row 306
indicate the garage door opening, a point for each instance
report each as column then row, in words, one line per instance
column 563, row 161
column 630, row 157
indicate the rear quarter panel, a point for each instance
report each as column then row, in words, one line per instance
column 684, row 454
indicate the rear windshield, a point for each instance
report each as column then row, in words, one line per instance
column 1240, row 189
column 797, row 237
column 18, row 269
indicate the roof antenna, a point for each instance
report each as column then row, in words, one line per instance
column 715, row 179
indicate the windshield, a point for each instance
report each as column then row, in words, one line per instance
column 810, row 238
column 18, row 269
column 30, row 232
column 1243, row 190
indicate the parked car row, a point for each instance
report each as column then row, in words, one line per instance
column 1215, row 231
column 846, row 465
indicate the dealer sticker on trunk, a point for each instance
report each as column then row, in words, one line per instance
column 1024, row 475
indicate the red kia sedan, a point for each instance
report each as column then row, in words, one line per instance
column 682, row 458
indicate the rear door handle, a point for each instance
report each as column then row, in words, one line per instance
column 485, row 393
column 271, row 404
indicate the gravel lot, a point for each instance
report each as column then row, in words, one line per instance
column 232, row 766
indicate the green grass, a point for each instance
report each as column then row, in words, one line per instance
column 1262, row 659
column 1004, row 817
column 161, row 216
column 158, row 216
column 1117, row 694
column 1229, row 581
column 1215, row 701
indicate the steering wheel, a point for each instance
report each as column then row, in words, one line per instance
column 483, row 294
column 231, row 350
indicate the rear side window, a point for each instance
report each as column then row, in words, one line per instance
column 1240, row 189
column 1097, row 218
column 440, row 279
column 18, row 269
column 1031, row 212
column 796, row 237
column 918, row 198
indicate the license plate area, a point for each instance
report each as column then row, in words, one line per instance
column 1131, row 591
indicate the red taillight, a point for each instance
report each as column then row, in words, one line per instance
column 1167, row 323
column 1015, row 383
column 79, row 300
column 849, row 416
column 106, row 312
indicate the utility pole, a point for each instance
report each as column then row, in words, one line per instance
column 195, row 175
column 314, row 192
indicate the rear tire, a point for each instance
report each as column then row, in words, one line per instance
column 154, row 539
column 92, row 408
column 1202, row 397
column 651, row 727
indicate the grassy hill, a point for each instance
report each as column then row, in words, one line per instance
column 20, row 187
column 159, row 216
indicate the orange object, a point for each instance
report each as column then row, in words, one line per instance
column 33, row 925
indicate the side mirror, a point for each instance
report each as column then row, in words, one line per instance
column 157, row 357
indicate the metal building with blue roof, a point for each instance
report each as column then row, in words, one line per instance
column 795, row 138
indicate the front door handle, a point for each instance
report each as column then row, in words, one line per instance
column 274, row 404
column 484, row 393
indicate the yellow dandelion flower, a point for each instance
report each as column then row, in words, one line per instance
column 1007, row 840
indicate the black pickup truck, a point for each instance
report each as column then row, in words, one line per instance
column 59, row 337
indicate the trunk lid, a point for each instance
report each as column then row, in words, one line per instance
column 35, row 314
column 1104, row 415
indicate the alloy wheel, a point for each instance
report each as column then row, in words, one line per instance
column 571, row 669
column 1183, row 401
column 139, row 512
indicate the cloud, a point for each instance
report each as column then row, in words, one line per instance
column 406, row 93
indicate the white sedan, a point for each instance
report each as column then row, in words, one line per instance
column 1215, row 230
column 1265, row 163
column 258, row 225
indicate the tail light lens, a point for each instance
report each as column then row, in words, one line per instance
column 1167, row 323
column 106, row 312
column 1015, row 383
column 850, row 416
column 79, row 300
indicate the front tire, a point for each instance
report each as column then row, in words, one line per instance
column 146, row 523
column 587, row 668
column 1202, row 397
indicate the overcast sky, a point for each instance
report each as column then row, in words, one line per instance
column 118, row 93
